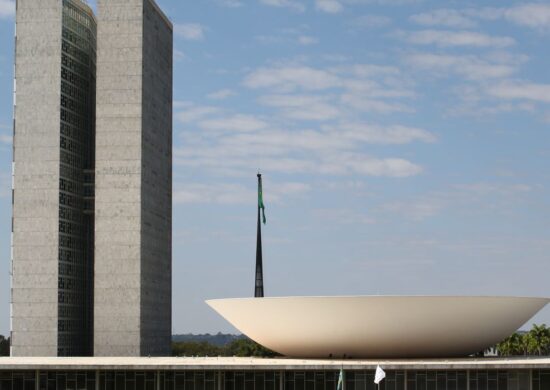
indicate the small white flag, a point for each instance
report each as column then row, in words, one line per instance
column 380, row 374
column 340, row 380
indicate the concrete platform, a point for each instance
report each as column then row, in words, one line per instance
column 238, row 363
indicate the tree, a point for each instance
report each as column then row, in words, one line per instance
column 193, row 348
column 538, row 340
column 242, row 347
column 4, row 346
column 510, row 346
column 247, row 347
column 534, row 342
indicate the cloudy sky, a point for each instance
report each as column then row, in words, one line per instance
column 404, row 144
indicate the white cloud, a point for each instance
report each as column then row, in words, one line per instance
column 467, row 66
column 367, row 104
column 457, row 38
column 291, row 77
column 444, row 17
column 190, row 31
column 326, row 151
column 230, row 3
column 521, row 90
column 179, row 55
column 195, row 113
column 418, row 209
column 307, row 40
column 230, row 143
column 237, row 123
column 360, row 87
column 384, row 134
column 5, row 184
column 382, row 2
column 7, row 9
column 477, row 197
column 295, row 5
column 370, row 21
column 5, row 139
column 329, row 6
column 231, row 193
column 390, row 167
column 302, row 107
column 533, row 15
column 221, row 94
column 342, row 216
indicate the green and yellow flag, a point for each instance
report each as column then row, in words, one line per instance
column 261, row 198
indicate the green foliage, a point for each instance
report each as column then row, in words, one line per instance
column 219, row 339
column 240, row 347
column 4, row 346
column 536, row 342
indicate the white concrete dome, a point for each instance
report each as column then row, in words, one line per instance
column 378, row 326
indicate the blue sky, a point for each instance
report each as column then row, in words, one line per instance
column 404, row 144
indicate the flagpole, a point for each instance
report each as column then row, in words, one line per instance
column 259, row 282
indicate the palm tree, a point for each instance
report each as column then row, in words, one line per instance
column 539, row 340
column 512, row 345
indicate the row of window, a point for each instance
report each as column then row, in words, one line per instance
column 75, row 120
column 70, row 200
column 71, row 257
column 71, row 173
column 72, row 159
column 76, row 133
column 76, row 106
column 72, row 270
column 76, row 93
column 71, row 145
column 80, row 42
column 69, row 186
column 69, row 298
column 83, row 31
column 75, row 52
column 72, row 242
column 75, row 79
column 70, row 311
column 67, row 227
column 78, row 15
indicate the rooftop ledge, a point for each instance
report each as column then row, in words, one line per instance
column 242, row 363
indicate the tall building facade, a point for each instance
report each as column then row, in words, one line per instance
column 91, row 277
column 53, row 224
column 132, row 298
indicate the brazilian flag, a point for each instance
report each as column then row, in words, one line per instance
column 261, row 198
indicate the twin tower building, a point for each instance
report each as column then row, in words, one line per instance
column 92, row 179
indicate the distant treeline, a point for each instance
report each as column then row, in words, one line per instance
column 240, row 346
column 4, row 346
column 219, row 339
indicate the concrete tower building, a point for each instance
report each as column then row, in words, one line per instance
column 53, row 160
column 132, row 309
column 92, row 278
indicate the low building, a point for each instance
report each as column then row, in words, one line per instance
column 217, row 373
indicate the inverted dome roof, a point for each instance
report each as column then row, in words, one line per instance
column 378, row 326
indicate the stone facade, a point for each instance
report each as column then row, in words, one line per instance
column 132, row 300
column 53, row 133
column 92, row 278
